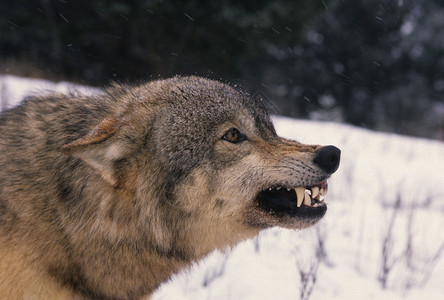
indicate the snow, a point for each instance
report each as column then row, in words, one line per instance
column 376, row 171
column 13, row 89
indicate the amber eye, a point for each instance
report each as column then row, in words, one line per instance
column 233, row 135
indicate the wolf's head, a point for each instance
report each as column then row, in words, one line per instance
column 204, row 159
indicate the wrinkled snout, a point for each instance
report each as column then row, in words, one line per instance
column 327, row 158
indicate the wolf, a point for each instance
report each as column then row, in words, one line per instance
column 107, row 196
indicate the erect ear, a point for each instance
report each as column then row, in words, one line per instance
column 99, row 155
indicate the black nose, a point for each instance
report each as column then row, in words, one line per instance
column 328, row 158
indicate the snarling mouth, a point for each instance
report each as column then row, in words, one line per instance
column 303, row 202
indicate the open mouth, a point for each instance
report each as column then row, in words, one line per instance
column 304, row 202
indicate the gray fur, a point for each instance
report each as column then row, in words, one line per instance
column 106, row 197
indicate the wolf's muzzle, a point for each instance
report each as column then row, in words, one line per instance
column 328, row 158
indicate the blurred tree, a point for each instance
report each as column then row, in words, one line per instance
column 373, row 63
column 95, row 41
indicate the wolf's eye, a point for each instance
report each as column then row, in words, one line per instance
column 233, row 135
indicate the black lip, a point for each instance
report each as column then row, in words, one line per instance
column 283, row 202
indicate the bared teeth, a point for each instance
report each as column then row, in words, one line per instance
column 314, row 192
column 300, row 192
column 312, row 197
column 305, row 196
column 307, row 199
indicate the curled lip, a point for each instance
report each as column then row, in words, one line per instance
column 298, row 202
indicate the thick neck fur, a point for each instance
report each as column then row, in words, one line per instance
column 116, row 234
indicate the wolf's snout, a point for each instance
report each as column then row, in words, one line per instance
column 328, row 158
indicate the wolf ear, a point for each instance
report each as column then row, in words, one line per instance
column 100, row 158
column 104, row 130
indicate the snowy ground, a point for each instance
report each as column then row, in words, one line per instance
column 388, row 194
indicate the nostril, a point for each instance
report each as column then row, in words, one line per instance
column 328, row 158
